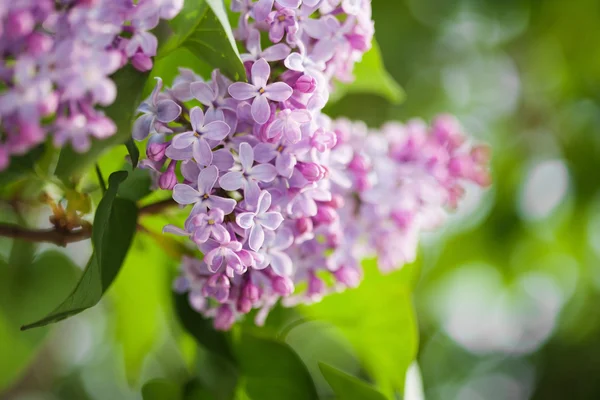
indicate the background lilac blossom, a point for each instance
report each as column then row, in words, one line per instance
column 281, row 194
column 56, row 65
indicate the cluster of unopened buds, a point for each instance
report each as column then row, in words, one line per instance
column 279, row 194
column 57, row 56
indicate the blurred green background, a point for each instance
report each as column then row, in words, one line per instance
column 505, row 295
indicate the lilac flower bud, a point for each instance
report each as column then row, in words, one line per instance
column 337, row 201
column 304, row 225
column 217, row 287
column 168, row 179
column 325, row 215
column 348, row 276
column 141, row 62
column 323, row 140
column 311, row 171
column 49, row 104
column 359, row 164
column 156, row 151
column 19, row 23
column 362, row 183
column 224, row 318
column 39, row 43
column 334, row 239
column 305, row 84
column 282, row 285
column 402, row 218
column 251, row 292
column 316, row 287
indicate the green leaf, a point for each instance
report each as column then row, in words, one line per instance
column 134, row 152
column 371, row 78
column 202, row 328
column 21, row 165
column 114, row 228
column 271, row 370
column 378, row 320
column 140, row 295
column 347, row 387
column 26, row 291
column 137, row 185
column 130, row 83
column 161, row 389
column 203, row 27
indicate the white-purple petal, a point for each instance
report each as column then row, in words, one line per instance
column 233, row 180
column 142, row 126
column 260, row 73
column 263, row 172
column 270, row 220
column 242, row 91
column 183, row 140
column 278, row 91
column 257, row 237
column 216, row 130
column 227, row 205
column 185, row 194
column 260, row 109
column 167, row 110
column 202, row 92
column 197, row 118
column 245, row 220
column 207, row 179
column 246, row 156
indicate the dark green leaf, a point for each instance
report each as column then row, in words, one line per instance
column 21, row 165
column 372, row 78
column 114, row 228
column 161, row 389
column 134, row 152
column 347, row 387
column 130, row 83
column 202, row 328
column 137, row 185
column 203, row 27
column 271, row 370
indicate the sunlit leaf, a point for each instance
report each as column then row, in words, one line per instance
column 347, row 387
column 130, row 83
column 371, row 77
column 203, row 27
column 114, row 227
column 26, row 291
column 161, row 389
column 140, row 295
column 378, row 319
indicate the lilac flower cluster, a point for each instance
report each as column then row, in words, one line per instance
column 281, row 196
column 57, row 57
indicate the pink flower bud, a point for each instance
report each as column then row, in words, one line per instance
column 19, row 23
column 312, row 172
column 348, row 276
column 141, row 62
column 304, row 225
column 282, row 285
column 217, row 287
column 168, row 179
column 325, row 215
column 305, row 84
column 156, row 151
column 224, row 318
column 39, row 43
column 360, row 163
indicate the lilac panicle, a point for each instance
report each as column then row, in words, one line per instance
column 58, row 57
column 279, row 193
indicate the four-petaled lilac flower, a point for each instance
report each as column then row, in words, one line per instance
column 255, row 221
column 223, row 255
column 213, row 96
column 250, row 175
column 273, row 250
column 263, row 7
column 155, row 108
column 260, row 91
column 197, row 138
column 274, row 53
column 287, row 123
column 210, row 224
column 203, row 198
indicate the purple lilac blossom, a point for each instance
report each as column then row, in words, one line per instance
column 58, row 57
column 285, row 195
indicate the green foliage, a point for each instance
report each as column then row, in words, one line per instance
column 141, row 297
column 202, row 27
column 347, row 387
column 114, row 227
column 271, row 370
column 21, row 165
column 386, row 342
column 130, row 83
column 28, row 286
column 371, row 78
column 161, row 389
column 133, row 151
